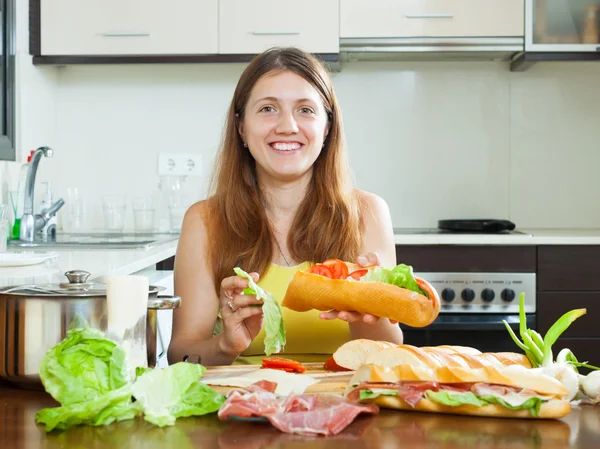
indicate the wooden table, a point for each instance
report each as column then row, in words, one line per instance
column 390, row 429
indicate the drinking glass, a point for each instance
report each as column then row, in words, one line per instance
column 73, row 217
column 115, row 209
column 143, row 214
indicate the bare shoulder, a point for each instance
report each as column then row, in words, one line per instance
column 378, row 229
column 373, row 207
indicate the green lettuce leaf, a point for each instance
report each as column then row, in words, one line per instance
column 115, row 405
column 375, row 393
column 274, row 330
column 401, row 276
column 83, row 366
column 165, row 394
column 198, row 400
column 455, row 398
column 532, row 404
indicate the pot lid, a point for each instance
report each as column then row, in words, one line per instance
column 76, row 286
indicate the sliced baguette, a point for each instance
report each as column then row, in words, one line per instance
column 352, row 355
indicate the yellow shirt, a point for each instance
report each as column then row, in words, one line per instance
column 308, row 338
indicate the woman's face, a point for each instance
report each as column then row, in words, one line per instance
column 284, row 125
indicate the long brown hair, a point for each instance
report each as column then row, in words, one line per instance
column 327, row 223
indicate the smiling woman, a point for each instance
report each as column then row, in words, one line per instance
column 281, row 199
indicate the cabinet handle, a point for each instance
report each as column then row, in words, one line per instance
column 430, row 16
column 275, row 33
column 125, row 34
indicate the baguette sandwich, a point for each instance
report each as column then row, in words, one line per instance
column 387, row 293
column 355, row 353
column 433, row 380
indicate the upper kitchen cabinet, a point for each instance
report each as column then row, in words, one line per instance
column 560, row 30
column 431, row 18
column 563, row 25
column 252, row 26
column 123, row 27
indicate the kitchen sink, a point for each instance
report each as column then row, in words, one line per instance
column 98, row 240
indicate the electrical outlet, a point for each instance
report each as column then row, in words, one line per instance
column 179, row 164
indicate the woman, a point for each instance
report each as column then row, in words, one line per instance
column 281, row 199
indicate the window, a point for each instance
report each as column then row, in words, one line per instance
column 7, row 81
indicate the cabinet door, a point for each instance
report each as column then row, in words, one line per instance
column 252, row 26
column 563, row 25
column 128, row 27
column 431, row 18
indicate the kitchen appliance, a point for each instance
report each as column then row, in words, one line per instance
column 484, row 226
column 473, row 308
column 34, row 318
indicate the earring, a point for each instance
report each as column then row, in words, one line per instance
column 245, row 145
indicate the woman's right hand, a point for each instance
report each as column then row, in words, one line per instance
column 242, row 315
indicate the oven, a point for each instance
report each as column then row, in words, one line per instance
column 474, row 306
column 479, row 279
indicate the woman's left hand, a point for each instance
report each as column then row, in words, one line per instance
column 365, row 260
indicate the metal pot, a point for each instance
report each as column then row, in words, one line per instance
column 34, row 318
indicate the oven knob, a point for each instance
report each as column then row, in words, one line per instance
column 448, row 295
column 507, row 294
column 468, row 295
column 487, row 294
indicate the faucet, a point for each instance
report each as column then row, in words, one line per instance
column 31, row 223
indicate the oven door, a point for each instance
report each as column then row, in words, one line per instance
column 485, row 332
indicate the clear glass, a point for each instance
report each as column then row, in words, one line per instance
column 115, row 210
column 143, row 214
column 73, row 216
column 573, row 22
column 178, row 205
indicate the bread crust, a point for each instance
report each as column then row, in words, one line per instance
column 309, row 291
column 554, row 408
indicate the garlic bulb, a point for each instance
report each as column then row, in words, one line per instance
column 590, row 385
column 565, row 374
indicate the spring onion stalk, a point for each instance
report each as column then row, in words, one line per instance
column 538, row 350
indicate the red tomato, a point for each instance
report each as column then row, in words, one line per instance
column 322, row 270
column 330, row 365
column 358, row 274
column 339, row 270
column 284, row 364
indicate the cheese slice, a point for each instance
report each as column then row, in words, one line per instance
column 287, row 383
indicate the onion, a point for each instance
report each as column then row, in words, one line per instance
column 590, row 385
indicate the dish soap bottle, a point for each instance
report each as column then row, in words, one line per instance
column 20, row 200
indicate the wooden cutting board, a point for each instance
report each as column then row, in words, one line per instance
column 329, row 382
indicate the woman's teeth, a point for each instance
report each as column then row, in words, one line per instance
column 286, row 146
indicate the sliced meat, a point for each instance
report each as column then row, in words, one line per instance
column 318, row 414
column 410, row 392
column 300, row 414
column 254, row 402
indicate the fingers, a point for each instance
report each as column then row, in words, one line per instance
column 368, row 260
column 233, row 283
column 351, row 317
column 244, row 313
column 242, row 301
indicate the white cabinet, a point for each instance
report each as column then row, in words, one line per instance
column 252, row 26
column 128, row 27
column 431, row 18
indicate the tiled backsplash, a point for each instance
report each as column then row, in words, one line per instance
column 435, row 139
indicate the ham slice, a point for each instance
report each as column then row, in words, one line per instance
column 299, row 414
column 317, row 414
column 410, row 392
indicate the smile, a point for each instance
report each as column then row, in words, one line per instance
column 286, row 146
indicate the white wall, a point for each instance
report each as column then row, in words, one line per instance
column 435, row 139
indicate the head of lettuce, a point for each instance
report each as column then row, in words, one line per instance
column 87, row 374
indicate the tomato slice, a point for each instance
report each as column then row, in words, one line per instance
column 332, row 261
column 288, row 365
column 358, row 274
column 322, row 270
column 339, row 270
column 330, row 365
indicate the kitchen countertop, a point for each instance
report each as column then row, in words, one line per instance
column 99, row 262
column 390, row 428
column 425, row 236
